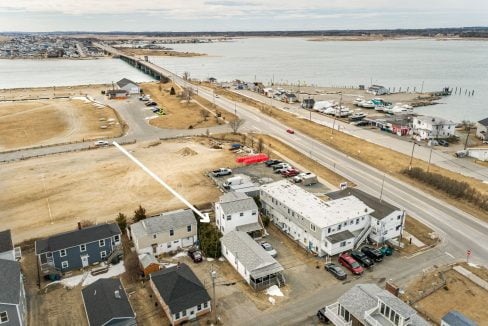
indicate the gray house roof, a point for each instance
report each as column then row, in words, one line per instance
column 179, row 287
column 236, row 202
column 9, row 281
column 455, row 318
column 364, row 297
column 381, row 208
column 6, row 243
column 340, row 236
column 105, row 300
column 77, row 237
column 251, row 255
column 124, row 82
column 484, row 122
column 163, row 222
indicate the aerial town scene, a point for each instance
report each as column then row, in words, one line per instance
column 243, row 163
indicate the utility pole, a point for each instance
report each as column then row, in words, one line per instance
column 382, row 185
column 430, row 157
column 213, row 273
column 235, row 109
column 335, row 115
column 467, row 137
column 411, row 156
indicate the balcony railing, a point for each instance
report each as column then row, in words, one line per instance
column 370, row 319
column 332, row 312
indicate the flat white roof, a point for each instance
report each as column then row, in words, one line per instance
column 319, row 212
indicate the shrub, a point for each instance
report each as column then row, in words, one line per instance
column 209, row 238
column 139, row 214
column 122, row 222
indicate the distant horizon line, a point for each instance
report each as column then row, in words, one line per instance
column 472, row 28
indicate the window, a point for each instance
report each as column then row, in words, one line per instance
column 3, row 317
column 382, row 309
column 117, row 238
column 101, row 243
column 343, row 243
column 328, row 230
column 205, row 305
column 228, row 218
column 199, row 307
column 241, row 214
column 339, row 227
column 176, row 241
column 357, row 220
column 387, row 311
column 171, row 232
column 62, row 253
column 169, row 245
column 399, row 217
column 398, row 227
column 83, row 247
column 183, row 313
column 64, row 264
column 188, row 228
column 312, row 227
column 177, row 315
column 103, row 254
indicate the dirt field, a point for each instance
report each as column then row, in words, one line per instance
column 461, row 294
column 160, row 53
column 43, row 122
column 51, row 92
column 372, row 154
column 179, row 113
column 96, row 185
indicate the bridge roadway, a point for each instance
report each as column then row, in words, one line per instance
column 459, row 230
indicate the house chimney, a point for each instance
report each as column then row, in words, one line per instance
column 79, row 225
column 178, row 265
column 117, row 294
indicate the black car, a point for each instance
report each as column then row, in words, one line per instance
column 272, row 162
column 443, row 143
column 195, row 255
column 336, row 271
column 322, row 317
column 151, row 103
column 372, row 253
column 362, row 258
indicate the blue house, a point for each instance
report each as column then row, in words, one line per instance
column 78, row 249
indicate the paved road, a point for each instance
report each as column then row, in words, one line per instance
column 447, row 161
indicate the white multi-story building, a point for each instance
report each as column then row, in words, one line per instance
column 323, row 227
column 237, row 211
column 426, row 127
column 387, row 221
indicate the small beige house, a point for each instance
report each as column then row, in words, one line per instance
column 164, row 233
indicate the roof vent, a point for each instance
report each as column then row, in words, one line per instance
column 117, row 294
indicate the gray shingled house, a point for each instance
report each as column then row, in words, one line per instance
column 128, row 85
column 251, row 261
column 106, row 303
column 368, row 304
column 78, row 249
column 180, row 293
column 13, row 306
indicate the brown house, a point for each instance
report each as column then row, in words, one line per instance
column 180, row 293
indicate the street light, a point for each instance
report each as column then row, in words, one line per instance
column 335, row 115
column 411, row 156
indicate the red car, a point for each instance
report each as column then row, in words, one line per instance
column 290, row 173
column 290, row 131
column 350, row 263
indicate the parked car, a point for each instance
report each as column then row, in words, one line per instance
column 282, row 169
column 386, row 250
column 442, row 142
column 272, row 162
column 221, row 172
column 372, row 253
column 101, row 143
column 280, row 166
column 336, row 271
column 195, row 255
column 350, row 263
column 290, row 173
column 362, row 259
column 269, row 249
column 290, row 131
column 322, row 317
column 151, row 103
column 155, row 109
column 144, row 98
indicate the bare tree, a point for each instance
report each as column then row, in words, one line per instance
column 186, row 75
column 187, row 94
column 260, row 145
column 205, row 114
column 236, row 125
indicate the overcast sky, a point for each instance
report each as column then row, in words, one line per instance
column 228, row 15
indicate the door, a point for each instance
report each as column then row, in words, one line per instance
column 84, row 261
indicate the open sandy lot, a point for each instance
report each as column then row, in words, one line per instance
column 179, row 113
column 44, row 122
column 158, row 52
column 51, row 92
column 460, row 294
column 96, row 185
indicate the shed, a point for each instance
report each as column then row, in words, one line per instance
column 148, row 263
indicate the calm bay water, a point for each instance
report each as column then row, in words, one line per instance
column 59, row 72
column 397, row 63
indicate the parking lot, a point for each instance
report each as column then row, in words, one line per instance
column 260, row 174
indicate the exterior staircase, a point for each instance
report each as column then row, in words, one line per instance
column 362, row 236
